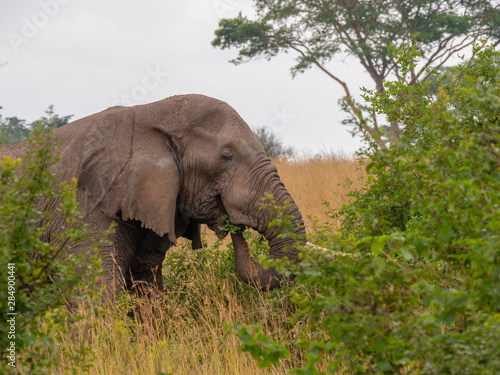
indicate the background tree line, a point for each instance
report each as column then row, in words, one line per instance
column 14, row 130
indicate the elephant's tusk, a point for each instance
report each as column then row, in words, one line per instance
column 339, row 253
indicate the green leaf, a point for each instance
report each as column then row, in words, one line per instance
column 376, row 247
column 265, row 351
column 445, row 233
column 406, row 255
column 384, row 367
column 379, row 265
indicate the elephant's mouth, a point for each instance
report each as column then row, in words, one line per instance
column 217, row 226
column 217, row 222
column 249, row 271
column 227, row 220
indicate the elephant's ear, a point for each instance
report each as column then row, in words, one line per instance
column 193, row 233
column 124, row 169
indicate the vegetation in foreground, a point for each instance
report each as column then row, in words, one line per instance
column 37, row 280
column 415, row 289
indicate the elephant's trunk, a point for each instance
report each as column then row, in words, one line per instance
column 250, row 272
column 255, row 274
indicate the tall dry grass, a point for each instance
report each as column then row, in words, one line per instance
column 183, row 330
column 322, row 178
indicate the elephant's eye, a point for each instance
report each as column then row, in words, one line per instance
column 226, row 155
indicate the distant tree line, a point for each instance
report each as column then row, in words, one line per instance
column 14, row 130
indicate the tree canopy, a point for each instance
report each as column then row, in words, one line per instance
column 318, row 30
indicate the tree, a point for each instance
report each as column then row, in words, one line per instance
column 53, row 120
column 318, row 30
column 13, row 130
column 272, row 144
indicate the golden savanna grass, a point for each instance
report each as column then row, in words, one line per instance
column 183, row 331
column 171, row 337
column 325, row 177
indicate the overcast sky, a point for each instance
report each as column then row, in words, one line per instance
column 83, row 56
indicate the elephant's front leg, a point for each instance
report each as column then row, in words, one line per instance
column 134, row 260
column 146, row 267
column 117, row 258
column 115, row 275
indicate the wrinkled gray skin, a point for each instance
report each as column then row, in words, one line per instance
column 193, row 160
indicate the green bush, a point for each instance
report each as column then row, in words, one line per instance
column 38, row 279
column 417, row 289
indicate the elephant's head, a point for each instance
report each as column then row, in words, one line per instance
column 193, row 161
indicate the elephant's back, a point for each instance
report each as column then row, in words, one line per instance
column 71, row 139
column 13, row 151
column 73, row 136
column 74, row 139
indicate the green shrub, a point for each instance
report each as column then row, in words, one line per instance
column 38, row 279
column 417, row 289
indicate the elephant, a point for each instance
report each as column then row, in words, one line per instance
column 159, row 171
